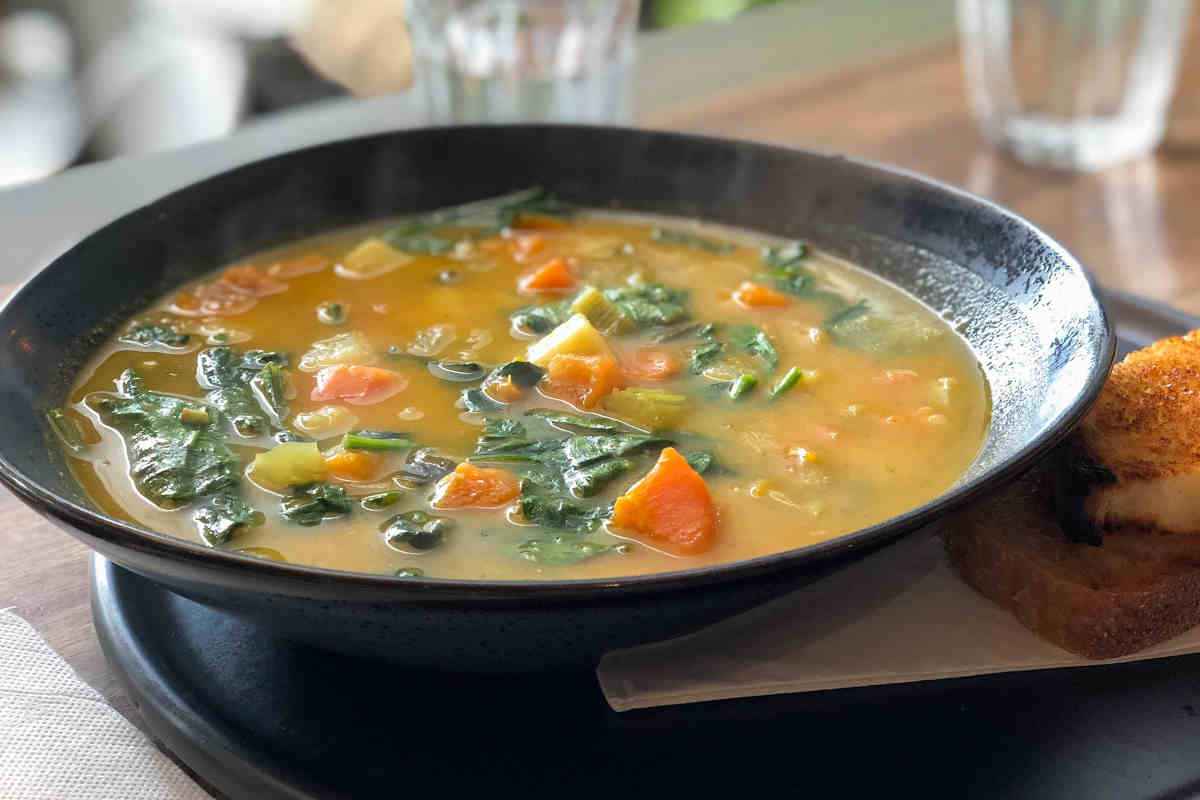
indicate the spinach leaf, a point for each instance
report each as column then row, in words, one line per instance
column 381, row 500
column 588, row 479
column 171, row 462
column 230, row 381
column 418, row 238
column 705, row 354
column 541, row 319
column 224, row 515
column 846, row 315
column 144, row 334
column 579, row 423
column 423, row 466
column 456, row 371
column 785, row 257
column 668, row 236
column 864, row 328
column 702, row 461
column 269, row 387
column 532, row 201
column 311, row 505
column 540, row 505
column 649, row 304
column 477, row 401
column 580, row 450
column 563, row 549
column 416, row 530
column 521, row 373
column 755, row 342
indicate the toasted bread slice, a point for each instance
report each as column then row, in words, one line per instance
column 1138, row 589
column 1135, row 459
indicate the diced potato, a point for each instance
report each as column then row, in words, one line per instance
column 575, row 337
column 289, row 464
column 351, row 347
column 372, row 258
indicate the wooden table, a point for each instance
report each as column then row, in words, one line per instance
column 1134, row 225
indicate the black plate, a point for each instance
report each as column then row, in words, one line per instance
column 257, row 717
column 1022, row 302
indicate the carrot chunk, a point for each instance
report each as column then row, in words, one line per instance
column 652, row 364
column 470, row 486
column 553, row 276
column 357, row 385
column 670, row 508
column 582, row 381
column 755, row 295
column 353, row 465
column 503, row 390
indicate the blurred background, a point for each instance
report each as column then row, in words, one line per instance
column 87, row 80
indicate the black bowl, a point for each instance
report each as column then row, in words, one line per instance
column 1022, row 302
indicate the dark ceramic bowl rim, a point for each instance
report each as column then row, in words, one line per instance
column 126, row 535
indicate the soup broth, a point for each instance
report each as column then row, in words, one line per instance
column 468, row 396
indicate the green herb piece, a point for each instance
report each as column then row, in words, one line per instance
column 863, row 328
column 563, row 549
column 705, row 354
column 536, row 320
column 649, row 304
column 522, row 373
column 376, row 440
column 423, row 466
column 228, row 377
column 846, row 315
column 535, row 201
column 785, row 257
column 145, row 334
column 579, row 423
column 702, row 461
column 742, row 385
column 456, row 371
column 754, row 341
column 600, row 311
column 667, row 236
column 543, row 507
column 680, row 331
column 417, row 238
column 380, row 501
column 66, row 429
column 581, row 450
column 652, row 409
column 789, row 381
column 416, row 530
column 269, row 386
column 477, row 401
column 330, row 313
column 409, row 572
column 588, row 479
column 171, row 463
column 223, row 516
column 311, row 505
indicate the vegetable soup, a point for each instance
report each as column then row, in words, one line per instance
column 515, row 389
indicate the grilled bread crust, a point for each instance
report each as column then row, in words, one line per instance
column 1135, row 458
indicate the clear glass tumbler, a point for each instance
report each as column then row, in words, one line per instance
column 525, row 60
column 1077, row 84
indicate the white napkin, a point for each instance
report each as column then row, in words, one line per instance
column 59, row 740
column 898, row 616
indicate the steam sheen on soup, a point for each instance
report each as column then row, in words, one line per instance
column 518, row 390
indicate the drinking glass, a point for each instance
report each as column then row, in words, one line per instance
column 1077, row 84
column 524, row 60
